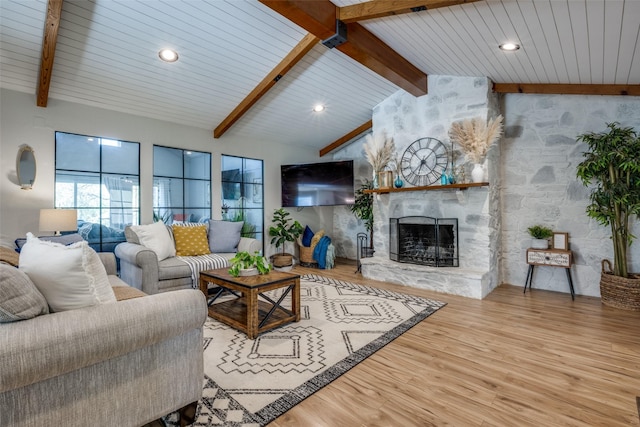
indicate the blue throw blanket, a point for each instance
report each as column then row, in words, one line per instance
column 320, row 252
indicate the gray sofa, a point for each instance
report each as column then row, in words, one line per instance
column 125, row 363
column 140, row 268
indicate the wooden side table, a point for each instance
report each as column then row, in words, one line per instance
column 549, row 258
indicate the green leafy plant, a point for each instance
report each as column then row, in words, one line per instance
column 244, row 260
column 362, row 208
column 166, row 217
column 612, row 166
column 540, row 232
column 284, row 230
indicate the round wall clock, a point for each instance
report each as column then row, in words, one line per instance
column 423, row 161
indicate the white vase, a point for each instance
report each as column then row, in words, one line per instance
column 477, row 173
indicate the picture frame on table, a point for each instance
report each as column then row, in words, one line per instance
column 560, row 241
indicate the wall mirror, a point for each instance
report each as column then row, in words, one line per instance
column 26, row 167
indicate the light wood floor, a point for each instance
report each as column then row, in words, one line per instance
column 512, row 359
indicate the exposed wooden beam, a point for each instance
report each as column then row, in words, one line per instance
column 316, row 16
column 378, row 9
column 319, row 18
column 567, row 89
column 346, row 138
column 373, row 53
column 49, row 40
column 298, row 52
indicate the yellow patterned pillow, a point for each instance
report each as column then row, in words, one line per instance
column 191, row 241
column 316, row 238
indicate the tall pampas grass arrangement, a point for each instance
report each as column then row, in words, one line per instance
column 379, row 150
column 475, row 136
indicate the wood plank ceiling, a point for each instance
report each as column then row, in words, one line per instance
column 230, row 50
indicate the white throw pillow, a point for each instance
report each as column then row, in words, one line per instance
column 157, row 238
column 69, row 277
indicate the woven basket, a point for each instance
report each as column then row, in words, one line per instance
column 282, row 260
column 619, row 292
column 306, row 254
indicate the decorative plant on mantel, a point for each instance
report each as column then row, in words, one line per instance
column 362, row 208
column 379, row 151
column 475, row 137
column 612, row 164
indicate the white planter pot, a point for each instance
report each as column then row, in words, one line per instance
column 539, row 244
column 248, row 271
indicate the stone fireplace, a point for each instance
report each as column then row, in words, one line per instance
column 476, row 269
column 424, row 240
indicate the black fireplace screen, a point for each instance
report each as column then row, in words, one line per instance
column 424, row 240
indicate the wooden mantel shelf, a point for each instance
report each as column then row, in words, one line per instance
column 429, row 188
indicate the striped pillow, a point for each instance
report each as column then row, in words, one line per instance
column 191, row 241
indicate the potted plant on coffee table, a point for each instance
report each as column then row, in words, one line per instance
column 285, row 230
column 245, row 264
column 611, row 168
column 540, row 236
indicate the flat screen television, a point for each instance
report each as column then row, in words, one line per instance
column 317, row 184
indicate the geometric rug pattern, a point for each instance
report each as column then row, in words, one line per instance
column 249, row 383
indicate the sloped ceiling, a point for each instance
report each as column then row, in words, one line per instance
column 107, row 56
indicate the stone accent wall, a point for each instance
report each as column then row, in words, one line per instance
column 539, row 158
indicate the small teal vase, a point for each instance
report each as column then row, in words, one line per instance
column 398, row 183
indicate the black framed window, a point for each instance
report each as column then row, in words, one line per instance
column 243, row 194
column 100, row 177
column 181, row 185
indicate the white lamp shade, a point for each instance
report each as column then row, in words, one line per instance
column 58, row 219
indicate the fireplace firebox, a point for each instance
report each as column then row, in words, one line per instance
column 424, row 240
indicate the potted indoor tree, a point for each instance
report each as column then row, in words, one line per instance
column 540, row 236
column 611, row 168
column 362, row 208
column 282, row 232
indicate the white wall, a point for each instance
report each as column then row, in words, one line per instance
column 22, row 122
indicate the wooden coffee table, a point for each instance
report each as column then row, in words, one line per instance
column 251, row 312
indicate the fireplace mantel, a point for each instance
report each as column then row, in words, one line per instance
column 429, row 188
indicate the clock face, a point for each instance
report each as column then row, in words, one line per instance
column 423, row 161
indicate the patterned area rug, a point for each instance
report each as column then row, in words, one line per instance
column 251, row 383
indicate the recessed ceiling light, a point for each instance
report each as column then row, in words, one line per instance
column 318, row 108
column 168, row 55
column 509, row 46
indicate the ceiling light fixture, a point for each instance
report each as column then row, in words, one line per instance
column 509, row 46
column 168, row 55
column 318, row 108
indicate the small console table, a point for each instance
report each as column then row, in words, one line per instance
column 549, row 258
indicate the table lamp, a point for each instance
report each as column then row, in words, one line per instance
column 58, row 220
